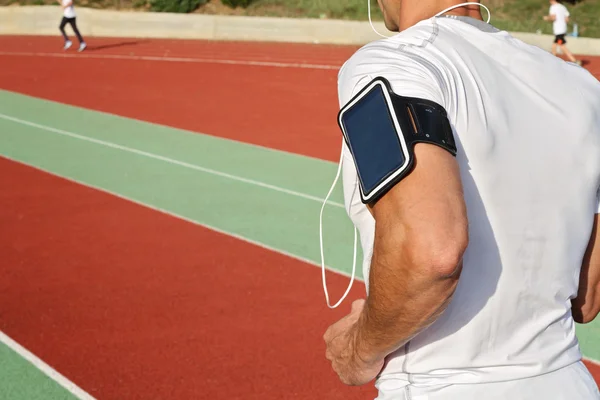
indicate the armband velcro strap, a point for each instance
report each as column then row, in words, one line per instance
column 424, row 122
column 381, row 129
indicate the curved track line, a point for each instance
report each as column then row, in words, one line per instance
column 45, row 368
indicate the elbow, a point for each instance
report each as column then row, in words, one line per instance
column 586, row 313
column 584, row 318
column 440, row 254
column 447, row 263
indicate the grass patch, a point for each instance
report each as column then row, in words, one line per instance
column 332, row 9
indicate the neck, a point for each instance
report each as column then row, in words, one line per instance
column 414, row 11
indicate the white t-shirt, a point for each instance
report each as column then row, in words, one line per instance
column 527, row 127
column 68, row 12
column 559, row 26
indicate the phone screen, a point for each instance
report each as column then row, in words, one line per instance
column 373, row 139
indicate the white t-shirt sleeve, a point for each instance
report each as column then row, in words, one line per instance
column 407, row 73
column 598, row 197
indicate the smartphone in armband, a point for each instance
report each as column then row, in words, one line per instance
column 381, row 129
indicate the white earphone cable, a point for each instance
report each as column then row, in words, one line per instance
column 337, row 176
column 371, row 21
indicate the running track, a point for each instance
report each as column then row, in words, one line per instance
column 198, row 86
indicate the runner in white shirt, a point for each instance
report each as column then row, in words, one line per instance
column 559, row 15
column 476, row 265
column 70, row 18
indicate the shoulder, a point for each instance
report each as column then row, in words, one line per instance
column 411, row 73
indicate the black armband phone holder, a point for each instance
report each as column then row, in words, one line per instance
column 381, row 129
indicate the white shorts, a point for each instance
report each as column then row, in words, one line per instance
column 570, row 383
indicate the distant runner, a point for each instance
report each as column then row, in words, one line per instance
column 70, row 18
column 559, row 15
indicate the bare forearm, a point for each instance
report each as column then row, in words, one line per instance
column 400, row 306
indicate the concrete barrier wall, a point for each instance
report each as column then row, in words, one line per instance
column 44, row 20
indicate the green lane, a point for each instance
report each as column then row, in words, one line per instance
column 20, row 380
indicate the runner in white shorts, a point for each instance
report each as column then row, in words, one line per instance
column 477, row 266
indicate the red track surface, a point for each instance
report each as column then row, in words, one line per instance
column 133, row 304
column 142, row 298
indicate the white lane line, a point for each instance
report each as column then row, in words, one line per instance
column 187, row 219
column 592, row 361
column 171, row 160
column 174, row 59
column 45, row 368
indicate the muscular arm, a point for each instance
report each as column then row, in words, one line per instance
column 586, row 305
column 420, row 236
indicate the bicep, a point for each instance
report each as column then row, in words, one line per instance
column 426, row 210
column 586, row 305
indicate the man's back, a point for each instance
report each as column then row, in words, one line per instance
column 527, row 127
